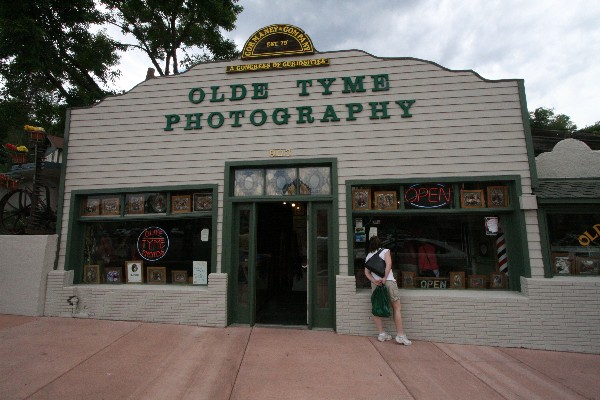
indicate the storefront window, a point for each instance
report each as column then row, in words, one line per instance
column 574, row 243
column 432, row 252
column 312, row 181
column 281, row 182
column 146, row 237
column 161, row 252
column 249, row 182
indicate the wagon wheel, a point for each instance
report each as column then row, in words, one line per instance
column 43, row 218
column 14, row 211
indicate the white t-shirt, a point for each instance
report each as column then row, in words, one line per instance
column 382, row 256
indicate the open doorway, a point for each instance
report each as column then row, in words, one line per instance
column 281, row 264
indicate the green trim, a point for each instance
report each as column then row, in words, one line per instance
column 545, row 243
column 61, row 186
column 296, row 162
column 513, row 218
column 229, row 220
column 560, row 207
column 74, row 245
column 527, row 131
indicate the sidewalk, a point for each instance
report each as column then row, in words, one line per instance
column 63, row 358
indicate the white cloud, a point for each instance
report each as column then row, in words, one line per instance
column 554, row 46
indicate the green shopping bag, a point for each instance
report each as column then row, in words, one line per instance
column 380, row 302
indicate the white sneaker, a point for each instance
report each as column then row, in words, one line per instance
column 383, row 337
column 402, row 339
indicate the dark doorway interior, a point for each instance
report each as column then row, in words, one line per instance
column 281, row 290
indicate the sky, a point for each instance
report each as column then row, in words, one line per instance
column 554, row 46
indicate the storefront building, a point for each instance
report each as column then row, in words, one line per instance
column 243, row 192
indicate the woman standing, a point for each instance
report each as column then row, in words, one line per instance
column 392, row 290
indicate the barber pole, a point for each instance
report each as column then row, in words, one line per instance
column 501, row 251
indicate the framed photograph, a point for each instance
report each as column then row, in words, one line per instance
column 203, row 202
column 497, row 280
column 110, row 206
column 497, row 196
column 135, row 271
column 113, row 275
column 472, row 198
column 563, row 264
column 181, row 204
column 91, row 206
column 457, row 280
column 179, row 276
column 385, row 201
column 361, row 199
column 156, row 275
column 587, row 265
column 135, row 203
column 477, row 281
column 91, row 274
column 492, row 226
column 409, row 279
column 158, row 203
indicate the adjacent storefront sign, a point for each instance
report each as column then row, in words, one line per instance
column 587, row 238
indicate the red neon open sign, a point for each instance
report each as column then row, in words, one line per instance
column 432, row 195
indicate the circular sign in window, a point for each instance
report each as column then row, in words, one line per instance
column 153, row 243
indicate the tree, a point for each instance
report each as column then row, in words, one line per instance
column 164, row 27
column 595, row 128
column 544, row 118
column 50, row 59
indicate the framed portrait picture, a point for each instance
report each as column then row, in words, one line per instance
column 156, row 275
column 91, row 206
column 457, row 280
column 477, row 281
column 135, row 271
column 497, row 196
column 203, row 202
column 563, row 264
column 587, row 265
column 179, row 276
column 409, row 279
column 472, row 198
column 157, row 203
column 135, row 204
column 497, row 280
column 385, row 201
column 113, row 275
column 91, row 274
column 110, row 206
column 181, row 204
column 361, row 199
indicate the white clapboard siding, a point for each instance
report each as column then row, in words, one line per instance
column 461, row 125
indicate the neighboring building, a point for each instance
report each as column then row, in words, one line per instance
column 569, row 201
column 243, row 192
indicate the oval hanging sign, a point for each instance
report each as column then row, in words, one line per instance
column 153, row 243
column 428, row 195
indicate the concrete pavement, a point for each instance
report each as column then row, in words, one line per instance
column 64, row 358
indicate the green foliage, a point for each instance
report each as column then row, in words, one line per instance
column 544, row 118
column 165, row 28
column 50, row 59
column 595, row 128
